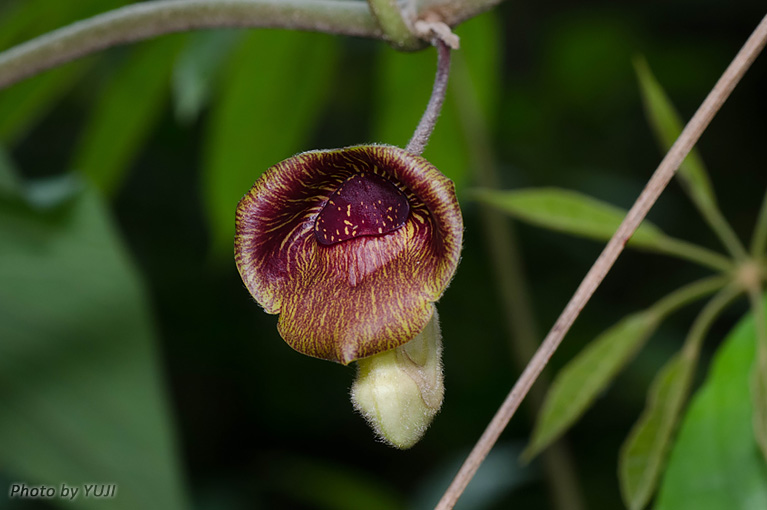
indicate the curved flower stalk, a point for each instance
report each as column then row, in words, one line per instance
column 350, row 246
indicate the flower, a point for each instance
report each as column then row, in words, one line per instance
column 350, row 246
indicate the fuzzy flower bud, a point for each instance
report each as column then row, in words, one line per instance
column 400, row 391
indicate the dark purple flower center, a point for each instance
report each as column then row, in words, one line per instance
column 364, row 205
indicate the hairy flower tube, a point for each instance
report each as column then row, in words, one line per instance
column 351, row 247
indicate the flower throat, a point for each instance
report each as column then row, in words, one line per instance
column 364, row 205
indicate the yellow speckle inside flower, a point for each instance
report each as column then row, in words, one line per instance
column 365, row 204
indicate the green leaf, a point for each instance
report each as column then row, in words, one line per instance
column 81, row 400
column 24, row 104
column 715, row 463
column 272, row 94
column 587, row 375
column 22, row 20
column 332, row 487
column 125, row 113
column 759, row 396
column 667, row 125
column 578, row 214
column 570, row 212
column 404, row 87
column 197, row 68
column 643, row 454
column 9, row 182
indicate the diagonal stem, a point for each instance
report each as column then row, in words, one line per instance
column 511, row 283
column 657, row 183
column 417, row 144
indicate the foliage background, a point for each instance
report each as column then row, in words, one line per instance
column 160, row 346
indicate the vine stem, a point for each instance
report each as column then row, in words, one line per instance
column 394, row 23
column 417, row 144
column 145, row 20
column 655, row 186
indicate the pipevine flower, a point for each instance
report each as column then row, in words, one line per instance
column 351, row 247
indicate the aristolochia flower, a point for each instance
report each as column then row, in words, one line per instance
column 351, row 247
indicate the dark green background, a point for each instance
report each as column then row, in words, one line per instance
column 257, row 425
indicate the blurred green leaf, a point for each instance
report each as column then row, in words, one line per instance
column 759, row 403
column 715, row 462
column 323, row 485
column 667, row 125
column 643, row 454
column 15, row 16
column 404, row 87
column 586, row 376
column 81, row 400
column 52, row 192
column 125, row 113
column 24, row 104
column 272, row 94
column 581, row 381
column 577, row 214
column 585, row 61
column 9, row 182
column 23, row 20
column 570, row 212
column 197, row 68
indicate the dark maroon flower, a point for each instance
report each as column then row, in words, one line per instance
column 350, row 246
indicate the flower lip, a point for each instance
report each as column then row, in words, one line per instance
column 366, row 204
column 369, row 293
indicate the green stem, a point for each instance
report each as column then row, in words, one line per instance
column 145, row 20
column 149, row 19
column 396, row 24
column 688, row 294
column 706, row 318
column 453, row 12
column 510, row 280
column 722, row 229
column 759, row 240
column 694, row 253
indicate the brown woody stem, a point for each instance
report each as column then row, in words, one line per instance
column 657, row 183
